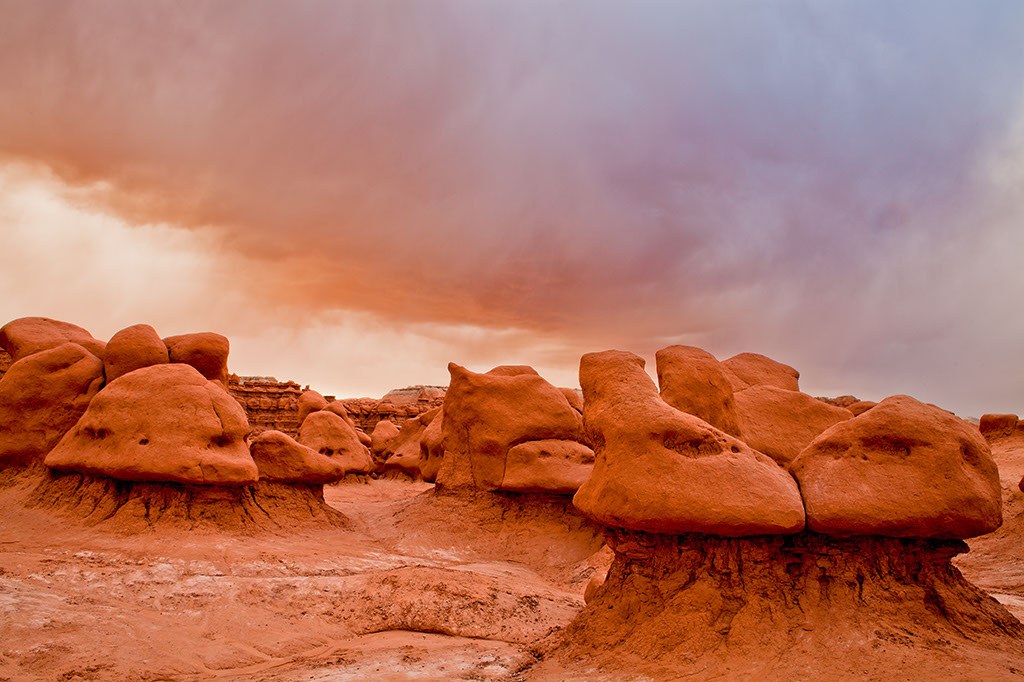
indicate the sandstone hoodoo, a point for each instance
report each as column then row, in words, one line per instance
column 432, row 448
column 781, row 423
column 42, row 396
column 28, row 335
column 281, row 459
column 693, row 381
column 309, row 402
column 206, row 351
column 403, row 453
column 699, row 576
column 328, row 434
column 382, row 435
column 664, row 471
column 486, row 416
column 160, row 423
column 901, row 469
column 133, row 348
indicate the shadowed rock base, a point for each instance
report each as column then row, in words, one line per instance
column 134, row 507
column 786, row 606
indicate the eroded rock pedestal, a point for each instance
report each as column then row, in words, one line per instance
column 761, row 605
column 137, row 506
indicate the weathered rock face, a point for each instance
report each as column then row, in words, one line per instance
column 329, row 434
column 269, row 405
column 160, row 423
column 781, row 423
column 547, row 466
column 767, row 607
column 901, row 469
column 693, row 381
column 206, row 351
column 41, row 397
column 996, row 426
column 309, row 402
column 750, row 369
column 432, row 448
column 403, row 452
column 133, row 348
column 27, row 335
column 486, row 415
column 383, row 433
column 664, row 471
column 281, row 459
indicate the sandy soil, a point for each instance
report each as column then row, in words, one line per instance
column 416, row 586
column 80, row 603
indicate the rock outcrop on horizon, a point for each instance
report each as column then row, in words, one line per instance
column 487, row 415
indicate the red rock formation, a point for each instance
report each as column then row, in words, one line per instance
column 41, row 397
column 206, row 351
column 27, row 335
column 485, row 415
column 781, row 423
column 133, row 348
column 750, row 369
column 902, row 469
column 163, row 423
column 329, row 434
column 693, row 381
column 383, row 433
column 270, row 405
column 664, row 471
column 396, row 406
column 281, row 459
column 432, row 448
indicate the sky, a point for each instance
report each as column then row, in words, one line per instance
column 357, row 193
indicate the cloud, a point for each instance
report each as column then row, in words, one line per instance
column 810, row 181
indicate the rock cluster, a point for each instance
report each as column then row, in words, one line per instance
column 397, row 406
column 719, row 550
column 510, row 430
column 269, row 405
column 147, row 430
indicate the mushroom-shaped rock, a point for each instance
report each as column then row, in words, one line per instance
column 28, row 335
column 547, row 466
column 338, row 408
column 404, row 450
column 901, row 469
column 996, row 426
column 328, row 434
column 41, row 397
column 160, row 423
column 309, row 402
column 133, row 348
column 750, row 369
column 383, row 433
column 660, row 470
column 860, row 407
column 280, row 458
column 432, row 448
column 487, row 414
column 692, row 381
column 206, row 351
column 781, row 423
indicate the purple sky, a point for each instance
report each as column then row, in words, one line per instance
column 358, row 192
